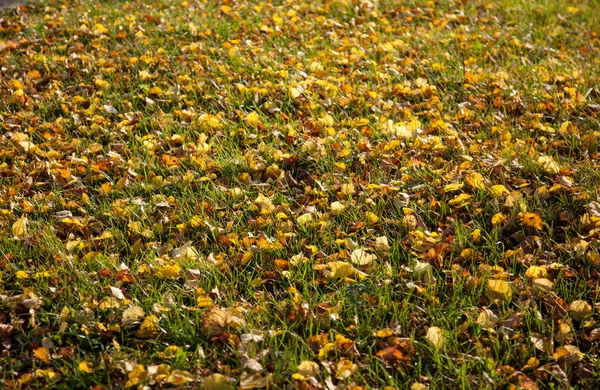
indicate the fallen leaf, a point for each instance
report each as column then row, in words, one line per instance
column 217, row 382
column 307, row 369
column 498, row 190
column 498, row 290
column 487, row 319
column 216, row 320
column 132, row 316
column 251, row 119
column 19, row 228
column 549, row 165
column 361, row 257
column 179, row 377
column 531, row 364
column 136, row 376
column 252, row 381
column 344, row 369
column 532, row 220
column 341, row 269
column 424, row 272
column 170, row 352
column 149, row 328
column 42, row 353
column 85, row 367
column 117, row 293
column 579, row 310
column 436, row 337
column 460, row 201
column 541, row 286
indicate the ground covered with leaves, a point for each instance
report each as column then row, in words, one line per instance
column 310, row 194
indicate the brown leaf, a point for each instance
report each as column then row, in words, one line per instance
column 8, row 45
column 393, row 355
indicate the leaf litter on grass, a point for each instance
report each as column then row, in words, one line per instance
column 326, row 194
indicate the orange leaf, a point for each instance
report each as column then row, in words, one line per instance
column 42, row 353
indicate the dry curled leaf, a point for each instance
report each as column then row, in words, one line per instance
column 217, row 320
column 132, row 316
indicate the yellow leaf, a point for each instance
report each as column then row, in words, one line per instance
column 99, row 29
column 253, row 381
column 179, row 377
column 549, row 165
column 541, row 286
column 476, row 180
column 85, row 367
column 28, row 207
column 204, row 301
column 476, row 236
column 169, row 271
column 344, row 369
column 15, row 84
column 498, row 190
column 160, row 372
column 348, row 189
column 18, row 96
column 371, row 217
column 19, row 228
column 295, row 93
column 336, row 208
column 216, row 382
column 304, row 219
column 340, row 269
column 487, row 319
column 22, row 275
column 306, row 370
column 498, row 289
column 498, row 218
column 170, row 352
column 453, row 187
column 42, row 353
column 460, row 201
column 534, row 272
column 149, row 328
column 384, row 333
column 72, row 221
column 266, row 204
column 579, row 309
column 216, row 320
column 570, row 354
column 25, row 379
column 49, row 374
column 381, row 244
column 435, row 336
column 136, row 376
column 532, row 220
column 531, row 364
column 467, row 254
column 251, row 119
column 424, row 272
column 361, row 257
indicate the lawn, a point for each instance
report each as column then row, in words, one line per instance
column 306, row 194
